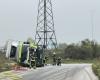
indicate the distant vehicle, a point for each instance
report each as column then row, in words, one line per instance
column 25, row 53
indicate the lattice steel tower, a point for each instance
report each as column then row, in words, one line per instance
column 45, row 33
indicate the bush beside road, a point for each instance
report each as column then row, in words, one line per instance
column 96, row 69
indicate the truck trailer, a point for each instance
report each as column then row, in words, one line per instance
column 25, row 53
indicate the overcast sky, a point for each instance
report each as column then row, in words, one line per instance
column 72, row 19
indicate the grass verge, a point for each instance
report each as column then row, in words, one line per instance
column 4, row 63
column 96, row 69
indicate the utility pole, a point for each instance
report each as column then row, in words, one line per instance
column 45, row 32
column 93, row 39
column 92, row 24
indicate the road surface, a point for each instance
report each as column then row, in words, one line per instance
column 64, row 72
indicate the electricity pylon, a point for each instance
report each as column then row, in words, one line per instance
column 45, row 32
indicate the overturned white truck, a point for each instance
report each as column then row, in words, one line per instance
column 25, row 53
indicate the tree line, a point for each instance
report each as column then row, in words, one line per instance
column 85, row 49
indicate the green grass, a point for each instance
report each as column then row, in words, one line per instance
column 4, row 63
column 96, row 69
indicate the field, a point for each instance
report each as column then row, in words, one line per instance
column 4, row 63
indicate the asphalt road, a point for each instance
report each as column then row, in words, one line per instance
column 64, row 72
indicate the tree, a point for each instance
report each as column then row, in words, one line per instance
column 86, row 50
